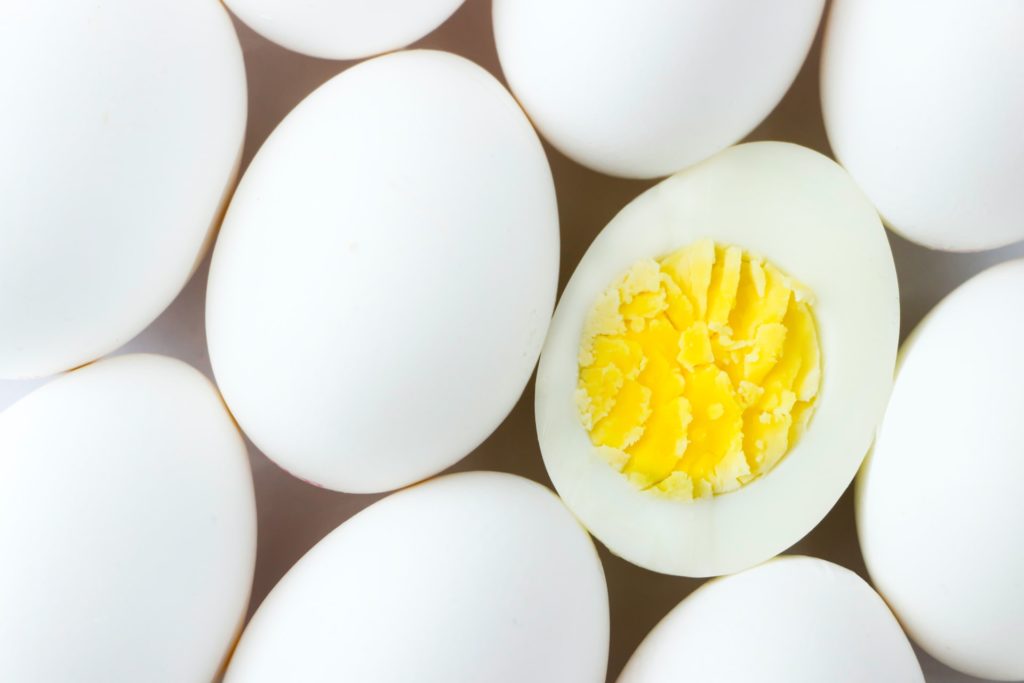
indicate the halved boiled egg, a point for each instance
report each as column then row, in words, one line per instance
column 719, row 361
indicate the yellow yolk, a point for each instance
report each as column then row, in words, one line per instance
column 699, row 370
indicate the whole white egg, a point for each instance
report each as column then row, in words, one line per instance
column 943, row 543
column 790, row 620
column 127, row 527
column 645, row 88
column 923, row 105
column 385, row 274
column 343, row 29
column 469, row 577
column 784, row 205
column 121, row 131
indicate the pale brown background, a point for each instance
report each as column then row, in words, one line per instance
column 293, row 516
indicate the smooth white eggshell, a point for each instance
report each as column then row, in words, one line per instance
column 343, row 29
column 803, row 213
column 923, row 104
column 939, row 507
column 121, row 129
column 127, row 527
column 645, row 88
column 470, row 577
column 791, row 620
column 385, row 274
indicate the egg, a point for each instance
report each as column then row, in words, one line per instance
column 470, row 577
column 719, row 361
column 945, row 551
column 385, row 275
column 791, row 620
column 127, row 527
column 645, row 88
column 343, row 29
column 121, row 128
column 923, row 105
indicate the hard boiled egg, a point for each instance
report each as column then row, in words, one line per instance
column 120, row 134
column 944, row 548
column 470, row 577
column 719, row 361
column 791, row 620
column 923, row 105
column 343, row 29
column 127, row 527
column 645, row 88
column 385, row 274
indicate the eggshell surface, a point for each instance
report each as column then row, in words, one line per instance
column 470, row 577
column 800, row 211
column 127, row 527
column 923, row 104
column 385, row 274
column 643, row 89
column 121, row 129
column 939, row 511
column 343, row 29
column 791, row 620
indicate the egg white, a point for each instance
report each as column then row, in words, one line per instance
column 800, row 211
column 121, row 132
column 645, row 88
column 477, row 576
column 794, row 619
column 383, row 281
column 127, row 527
column 343, row 29
column 939, row 510
column 923, row 105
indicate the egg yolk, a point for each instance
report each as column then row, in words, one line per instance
column 698, row 371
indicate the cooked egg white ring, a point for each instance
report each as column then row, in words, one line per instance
column 800, row 211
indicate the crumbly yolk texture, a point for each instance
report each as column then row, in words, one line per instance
column 698, row 371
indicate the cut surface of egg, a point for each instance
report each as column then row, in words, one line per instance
column 645, row 88
column 121, row 131
column 923, row 105
column 469, row 577
column 385, row 274
column 698, row 369
column 946, row 554
column 127, row 527
column 790, row 620
column 719, row 360
column 343, row 29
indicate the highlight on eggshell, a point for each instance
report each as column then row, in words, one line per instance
column 343, row 29
column 127, row 527
column 790, row 619
column 946, row 554
column 121, row 130
column 719, row 361
column 477, row 576
column 646, row 88
column 385, row 274
column 923, row 105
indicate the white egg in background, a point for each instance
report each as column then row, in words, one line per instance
column 923, row 104
column 127, row 527
column 120, row 135
column 645, row 88
column 802, row 212
column 343, row 29
column 790, row 620
column 470, row 577
column 385, row 274
column 939, row 511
